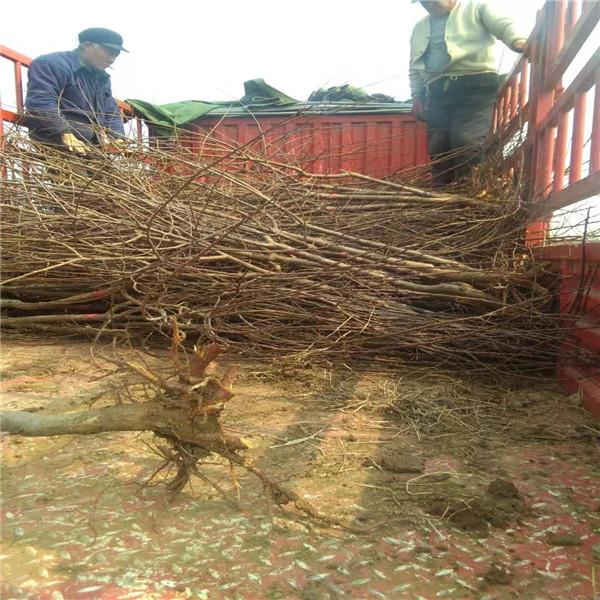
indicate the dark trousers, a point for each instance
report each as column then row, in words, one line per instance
column 459, row 117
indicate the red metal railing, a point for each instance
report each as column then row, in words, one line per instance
column 533, row 96
column 19, row 61
column 549, row 153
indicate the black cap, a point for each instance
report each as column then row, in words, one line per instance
column 105, row 37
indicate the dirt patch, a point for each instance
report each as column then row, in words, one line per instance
column 502, row 489
column 437, row 472
column 497, row 574
column 476, row 509
column 564, row 539
column 316, row 591
column 402, row 464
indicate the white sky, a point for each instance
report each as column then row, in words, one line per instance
column 206, row 50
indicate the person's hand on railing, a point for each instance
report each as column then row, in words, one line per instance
column 418, row 109
column 74, row 144
column 519, row 46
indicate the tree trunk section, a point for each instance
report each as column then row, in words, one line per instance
column 174, row 422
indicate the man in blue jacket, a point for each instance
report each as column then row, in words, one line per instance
column 69, row 98
column 454, row 81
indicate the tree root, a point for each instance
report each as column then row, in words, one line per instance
column 186, row 416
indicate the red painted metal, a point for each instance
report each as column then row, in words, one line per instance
column 588, row 301
column 560, row 151
column 523, row 85
column 561, row 30
column 19, row 61
column 6, row 52
column 579, row 267
column 572, row 252
column 579, row 33
column 584, row 81
column 580, row 301
column 571, row 17
column 578, row 140
column 595, row 138
column 376, row 145
column 19, row 86
column 558, row 31
column 579, row 382
column 582, row 189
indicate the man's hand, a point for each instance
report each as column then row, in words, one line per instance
column 74, row 144
column 418, row 109
column 120, row 145
column 519, row 46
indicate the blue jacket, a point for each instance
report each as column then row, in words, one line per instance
column 64, row 96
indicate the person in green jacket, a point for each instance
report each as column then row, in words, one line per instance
column 454, row 81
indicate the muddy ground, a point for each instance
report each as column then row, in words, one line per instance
column 451, row 489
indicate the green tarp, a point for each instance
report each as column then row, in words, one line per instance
column 166, row 118
column 262, row 99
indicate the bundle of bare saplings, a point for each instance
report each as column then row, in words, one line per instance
column 271, row 261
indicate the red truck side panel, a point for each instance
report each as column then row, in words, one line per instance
column 375, row 145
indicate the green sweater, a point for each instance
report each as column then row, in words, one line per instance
column 471, row 32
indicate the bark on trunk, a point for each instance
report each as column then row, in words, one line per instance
column 172, row 422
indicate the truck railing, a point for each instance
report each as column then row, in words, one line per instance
column 551, row 139
column 19, row 62
column 552, row 120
